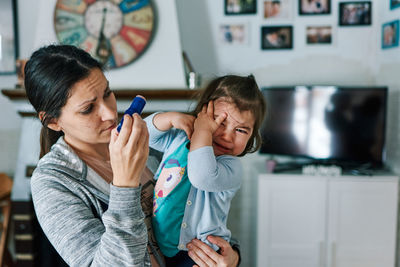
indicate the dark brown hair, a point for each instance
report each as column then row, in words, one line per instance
column 244, row 93
column 50, row 74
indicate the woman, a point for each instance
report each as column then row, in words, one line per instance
column 86, row 187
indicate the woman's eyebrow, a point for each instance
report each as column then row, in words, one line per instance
column 88, row 101
column 94, row 98
column 107, row 87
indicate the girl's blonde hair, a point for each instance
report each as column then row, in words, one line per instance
column 244, row 93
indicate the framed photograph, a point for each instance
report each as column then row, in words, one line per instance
column 276, row 37
column 355, row 13
column 277, row 9
column 390, row 34
column 394, row 4
column 240, row 7
column 314, row 7
column 8, row 36
column 319, row 35
column 233, row 34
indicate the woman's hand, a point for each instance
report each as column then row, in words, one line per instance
column 167, row 120
column 129, row 151
column 204, row 255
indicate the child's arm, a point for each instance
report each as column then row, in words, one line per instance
column 167, row 120
column 211, row 174
column 205, row 172
column 159, row 125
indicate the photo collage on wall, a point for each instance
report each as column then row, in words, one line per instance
column 278, row 15
column 390, row 29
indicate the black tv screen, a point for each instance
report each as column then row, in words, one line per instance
column 326, row 123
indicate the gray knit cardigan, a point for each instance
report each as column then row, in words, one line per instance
column 70, row 213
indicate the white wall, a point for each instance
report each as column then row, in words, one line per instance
column 9, row 129
column 354, row 58
column 160, row 67
column 388, row 74
column 351, row 59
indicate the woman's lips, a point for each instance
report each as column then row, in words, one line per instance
column 111, row 127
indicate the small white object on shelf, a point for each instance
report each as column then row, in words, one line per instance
column 331, row 170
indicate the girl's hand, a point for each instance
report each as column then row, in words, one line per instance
column 204, row 127
column 205, row 120
column 167, row 120
column 204, row 255
column 129, row 151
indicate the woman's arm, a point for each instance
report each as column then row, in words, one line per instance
column 71, row 216
column 68, row 217
column 203, row 255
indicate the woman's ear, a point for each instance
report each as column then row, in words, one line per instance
column 53, row 124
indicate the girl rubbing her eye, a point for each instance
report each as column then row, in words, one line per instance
column 200, row 172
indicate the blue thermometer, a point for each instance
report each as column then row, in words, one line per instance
column 136, row 106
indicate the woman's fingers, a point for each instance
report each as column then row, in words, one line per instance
column 129, row 151
column 228, row 256
column 202, row 254
column 125, row 132
column 136, row 130
column 197, row 259
column 114, row 136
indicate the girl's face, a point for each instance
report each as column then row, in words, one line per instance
column 90, row 112
column 235, row 131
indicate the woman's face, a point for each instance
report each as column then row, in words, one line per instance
column 90, row 112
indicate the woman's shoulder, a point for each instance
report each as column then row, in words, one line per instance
column 60, row 161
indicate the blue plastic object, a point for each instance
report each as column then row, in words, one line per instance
column 136, row 106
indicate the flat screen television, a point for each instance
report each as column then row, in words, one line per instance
column 332, row 124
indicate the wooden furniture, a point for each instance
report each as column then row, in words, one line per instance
column 5, row 206
column 309, row 221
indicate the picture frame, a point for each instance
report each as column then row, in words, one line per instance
column 394, row 4
column 319, row 35
column 233, row 34
column 390, row 34
column 276, row 37
column 277, row 9
column 314, row 7
column 8, row 37
column 240, row 7
column 356, row 13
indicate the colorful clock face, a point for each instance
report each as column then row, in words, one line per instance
column 115, row 32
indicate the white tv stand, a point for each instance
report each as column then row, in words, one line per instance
column 315, row 221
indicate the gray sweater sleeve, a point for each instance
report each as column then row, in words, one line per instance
column 65, row 212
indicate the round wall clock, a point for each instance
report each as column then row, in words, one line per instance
column 115, row 32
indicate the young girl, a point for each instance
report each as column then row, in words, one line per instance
column 200, row 172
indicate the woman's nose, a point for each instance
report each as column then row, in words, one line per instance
column 107, row 112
